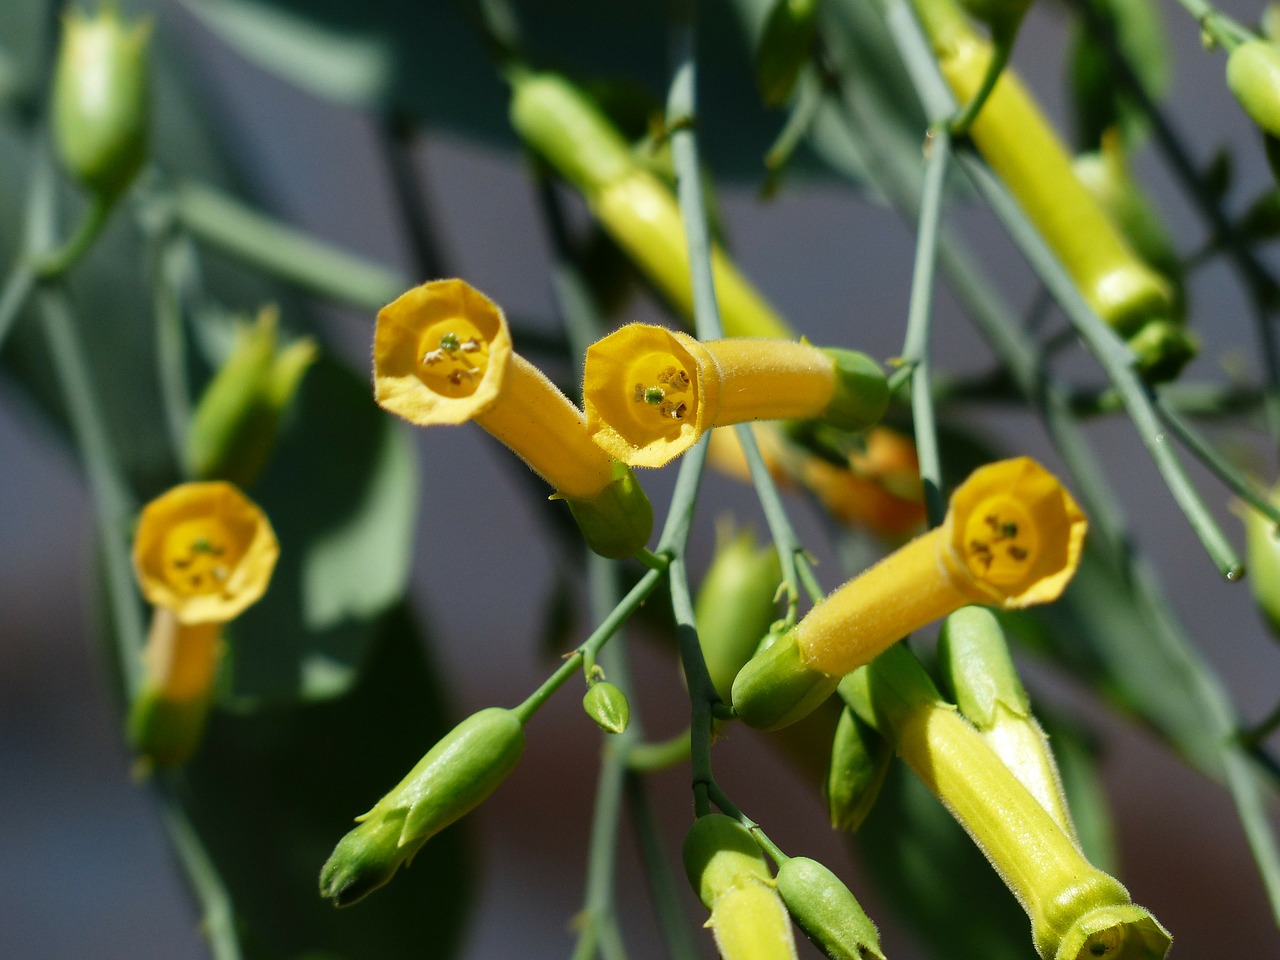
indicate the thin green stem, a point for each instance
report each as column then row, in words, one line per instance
column 1254, row 736
column 169, row 255
column 1217, row 463
column 278, row 249
column 799, row 120
column 218, row 916
column 395, row 136
column 1225, row 31
column 17, row 290
column 599, row 637
column 915, row 350
column 113, row 503
column 1001, row 48
column 785, row 541
column 662, row 755
column 1116, row 362
column 658, row 870
column 57, row 262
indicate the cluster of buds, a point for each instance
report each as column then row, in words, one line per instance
column 203, row 553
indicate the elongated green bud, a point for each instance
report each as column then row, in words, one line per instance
column 725, row 865
column 455, row 776
column 101, row 98
column 775, row 688
column 975, row 660
column 785, row 46
column 735, row 605
column 1253, row 75
column 1077, row 911
column 607, row 706
column 828, row 913
column 1263, row 559
column 860, row 759
column 234, row 426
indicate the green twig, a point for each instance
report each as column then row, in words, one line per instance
column 113, row 503
column 915, row 350
column 17, row 289
column 658, row 870
column 169, row 254
column 57, row 262
column 662, row 755
column 395, row 136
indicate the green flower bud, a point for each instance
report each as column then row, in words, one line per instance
column 1253, row 74
column 725, row 865
column 736, row 605
column 785, row 46
column 775, row 688
column 617, row 521
column 860, row 759
column 975, row 660
column 607, row 706
column 1162, row 348
column 1002, row 16
column 233, row 430
column 101, row 100
column 862, row 392
column 1263, row 561
column 455, row 776
column 828, row 913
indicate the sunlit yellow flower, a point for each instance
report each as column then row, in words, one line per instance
column 879, row 490
column 442, row 355
column 204, row 551
column 1012, row 538
column 650, row 392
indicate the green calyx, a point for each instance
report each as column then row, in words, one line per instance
column 860, row 760
column 101, row 99
column 786, row 44
column 975, row 658
column 1162, row 348
column 1253, row 75
column 862, row 391
column 828, row 913
column 617, row 521
column 234, row 426
column 775, row 688
column 607, row 705
column 454, row 777
column 719, row 854
column 164, row 732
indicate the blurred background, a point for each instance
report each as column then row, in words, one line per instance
column 84, row 864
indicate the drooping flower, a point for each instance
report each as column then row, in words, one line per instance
column 203, row 552
column 650, row 392
column 1011, row 538
column 442, row 355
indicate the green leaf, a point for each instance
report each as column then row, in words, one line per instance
column 341, row 492
column 273, row 790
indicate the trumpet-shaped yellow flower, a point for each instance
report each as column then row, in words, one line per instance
column 1011, row 538
column 204, row 551
column 442, row 355
column 650, row 393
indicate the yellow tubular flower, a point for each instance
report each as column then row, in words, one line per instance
column 650, row 393
column 204, row 551
column 442, row 355
column 1011, row 538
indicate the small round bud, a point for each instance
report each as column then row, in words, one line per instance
column 828, row 913
column 860, row 759
column 101, row 99
column 607, row 706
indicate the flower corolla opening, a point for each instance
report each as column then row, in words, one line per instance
column 204, row 551
column 441, row 353
column 1014, row 534
column 645, row 394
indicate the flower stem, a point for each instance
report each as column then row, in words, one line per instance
column 54, row 264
